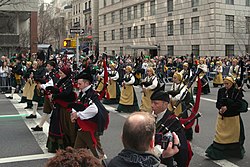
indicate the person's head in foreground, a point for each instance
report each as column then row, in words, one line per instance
column 73, row 158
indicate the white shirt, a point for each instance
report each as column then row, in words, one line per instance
column 90, row 111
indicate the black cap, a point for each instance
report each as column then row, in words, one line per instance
column 160, row 95
column 85, row 76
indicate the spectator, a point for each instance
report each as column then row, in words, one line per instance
column 138, row 141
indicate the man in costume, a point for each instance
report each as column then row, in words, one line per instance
column 16, row 76
column 160, row 101
column 230, row 136
column 138, row 141
column 90, row 115
column 39, row 79
column 50, row 79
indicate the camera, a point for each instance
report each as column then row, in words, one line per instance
column 163, row 139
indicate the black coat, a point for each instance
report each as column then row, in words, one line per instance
column 182, row 156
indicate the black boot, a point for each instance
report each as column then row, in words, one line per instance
column 23, row 99
column 29, row 104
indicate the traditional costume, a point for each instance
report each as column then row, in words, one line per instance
column 204, row 80
column 113, row 87
column 229, row 136
column 218, row 80
column 149, row 84
column 128, row 100
column 62, row 132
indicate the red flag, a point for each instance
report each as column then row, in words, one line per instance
column 195, row 108
column 105, row 82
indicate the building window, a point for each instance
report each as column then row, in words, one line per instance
column 247, row 2
column 170, row 50
column 104, row 3
column 135, row 12
column 129, row 32
column 153, row 30
column 152, row 8
column 113, row 34
column 113, row 17
column 170, row 4
column 135, row 31
column 121, row 33
column 142, row 31
column 181, row 26
column 112, row 2
column 195, row 3
column 247, row 49
column 86, row 5
column 129, row 13
column 229, row 23
column 170, row 28
column 195, row 25
column 121, row 15
column 230, row 2
column 142, row 10
column 104, row 20
column 89, row 4
column 248, row 25
column 229, row 50
column 196, row 50
column 105, row 36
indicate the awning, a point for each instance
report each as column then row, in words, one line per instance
column 141, row 47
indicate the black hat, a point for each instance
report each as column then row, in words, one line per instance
column 85, row 76
column 52, row 63
column 41, row 55
column 160, row 95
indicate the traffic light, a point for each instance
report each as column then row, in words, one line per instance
column 66, row 43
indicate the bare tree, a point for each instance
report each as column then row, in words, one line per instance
column 58, row 29
column 44, row 23
column 24, row 38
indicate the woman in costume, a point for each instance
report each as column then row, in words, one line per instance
column 148, row 86
column 128, row 100
column 218, row 80
column 113, row 87
column 100, row 78
column 205, row 83
column 62, row 131
column 229, row 136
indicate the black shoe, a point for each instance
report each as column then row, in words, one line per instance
column 37, row 128
column 28, row 107
column 31, row 116
column 22, row 101
column 9, row 97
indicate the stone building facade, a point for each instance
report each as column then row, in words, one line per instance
column 175, row 27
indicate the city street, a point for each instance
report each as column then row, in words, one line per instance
column 23, row 148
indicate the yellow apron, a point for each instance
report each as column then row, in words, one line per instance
column 127, row 95
column 227, row 130
column 28, row 90
column 145, row 101
column 218, row 79
column 112, row 89
column 178, row 109
column 100, row 85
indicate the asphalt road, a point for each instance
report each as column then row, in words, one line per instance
column 22, row 148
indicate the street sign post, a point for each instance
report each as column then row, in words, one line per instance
column 76, row 31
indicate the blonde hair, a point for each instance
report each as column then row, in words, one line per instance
column 151, row 70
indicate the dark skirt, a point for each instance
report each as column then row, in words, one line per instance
column 129, row 108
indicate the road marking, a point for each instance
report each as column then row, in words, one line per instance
column 26, row 158
column 198, row 150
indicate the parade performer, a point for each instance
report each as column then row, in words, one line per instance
column 205, row 83
column 113, row 86
column 16, row 76
column 51, row 78
column 62, row 132
column 229, row 137
column 100, row 78
column 91, row 116
column 166, row 118
column 218, row 80
column 128, row 100
column 186, row 73
column 234, row 69
column 39, row 79
column 148, row 86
